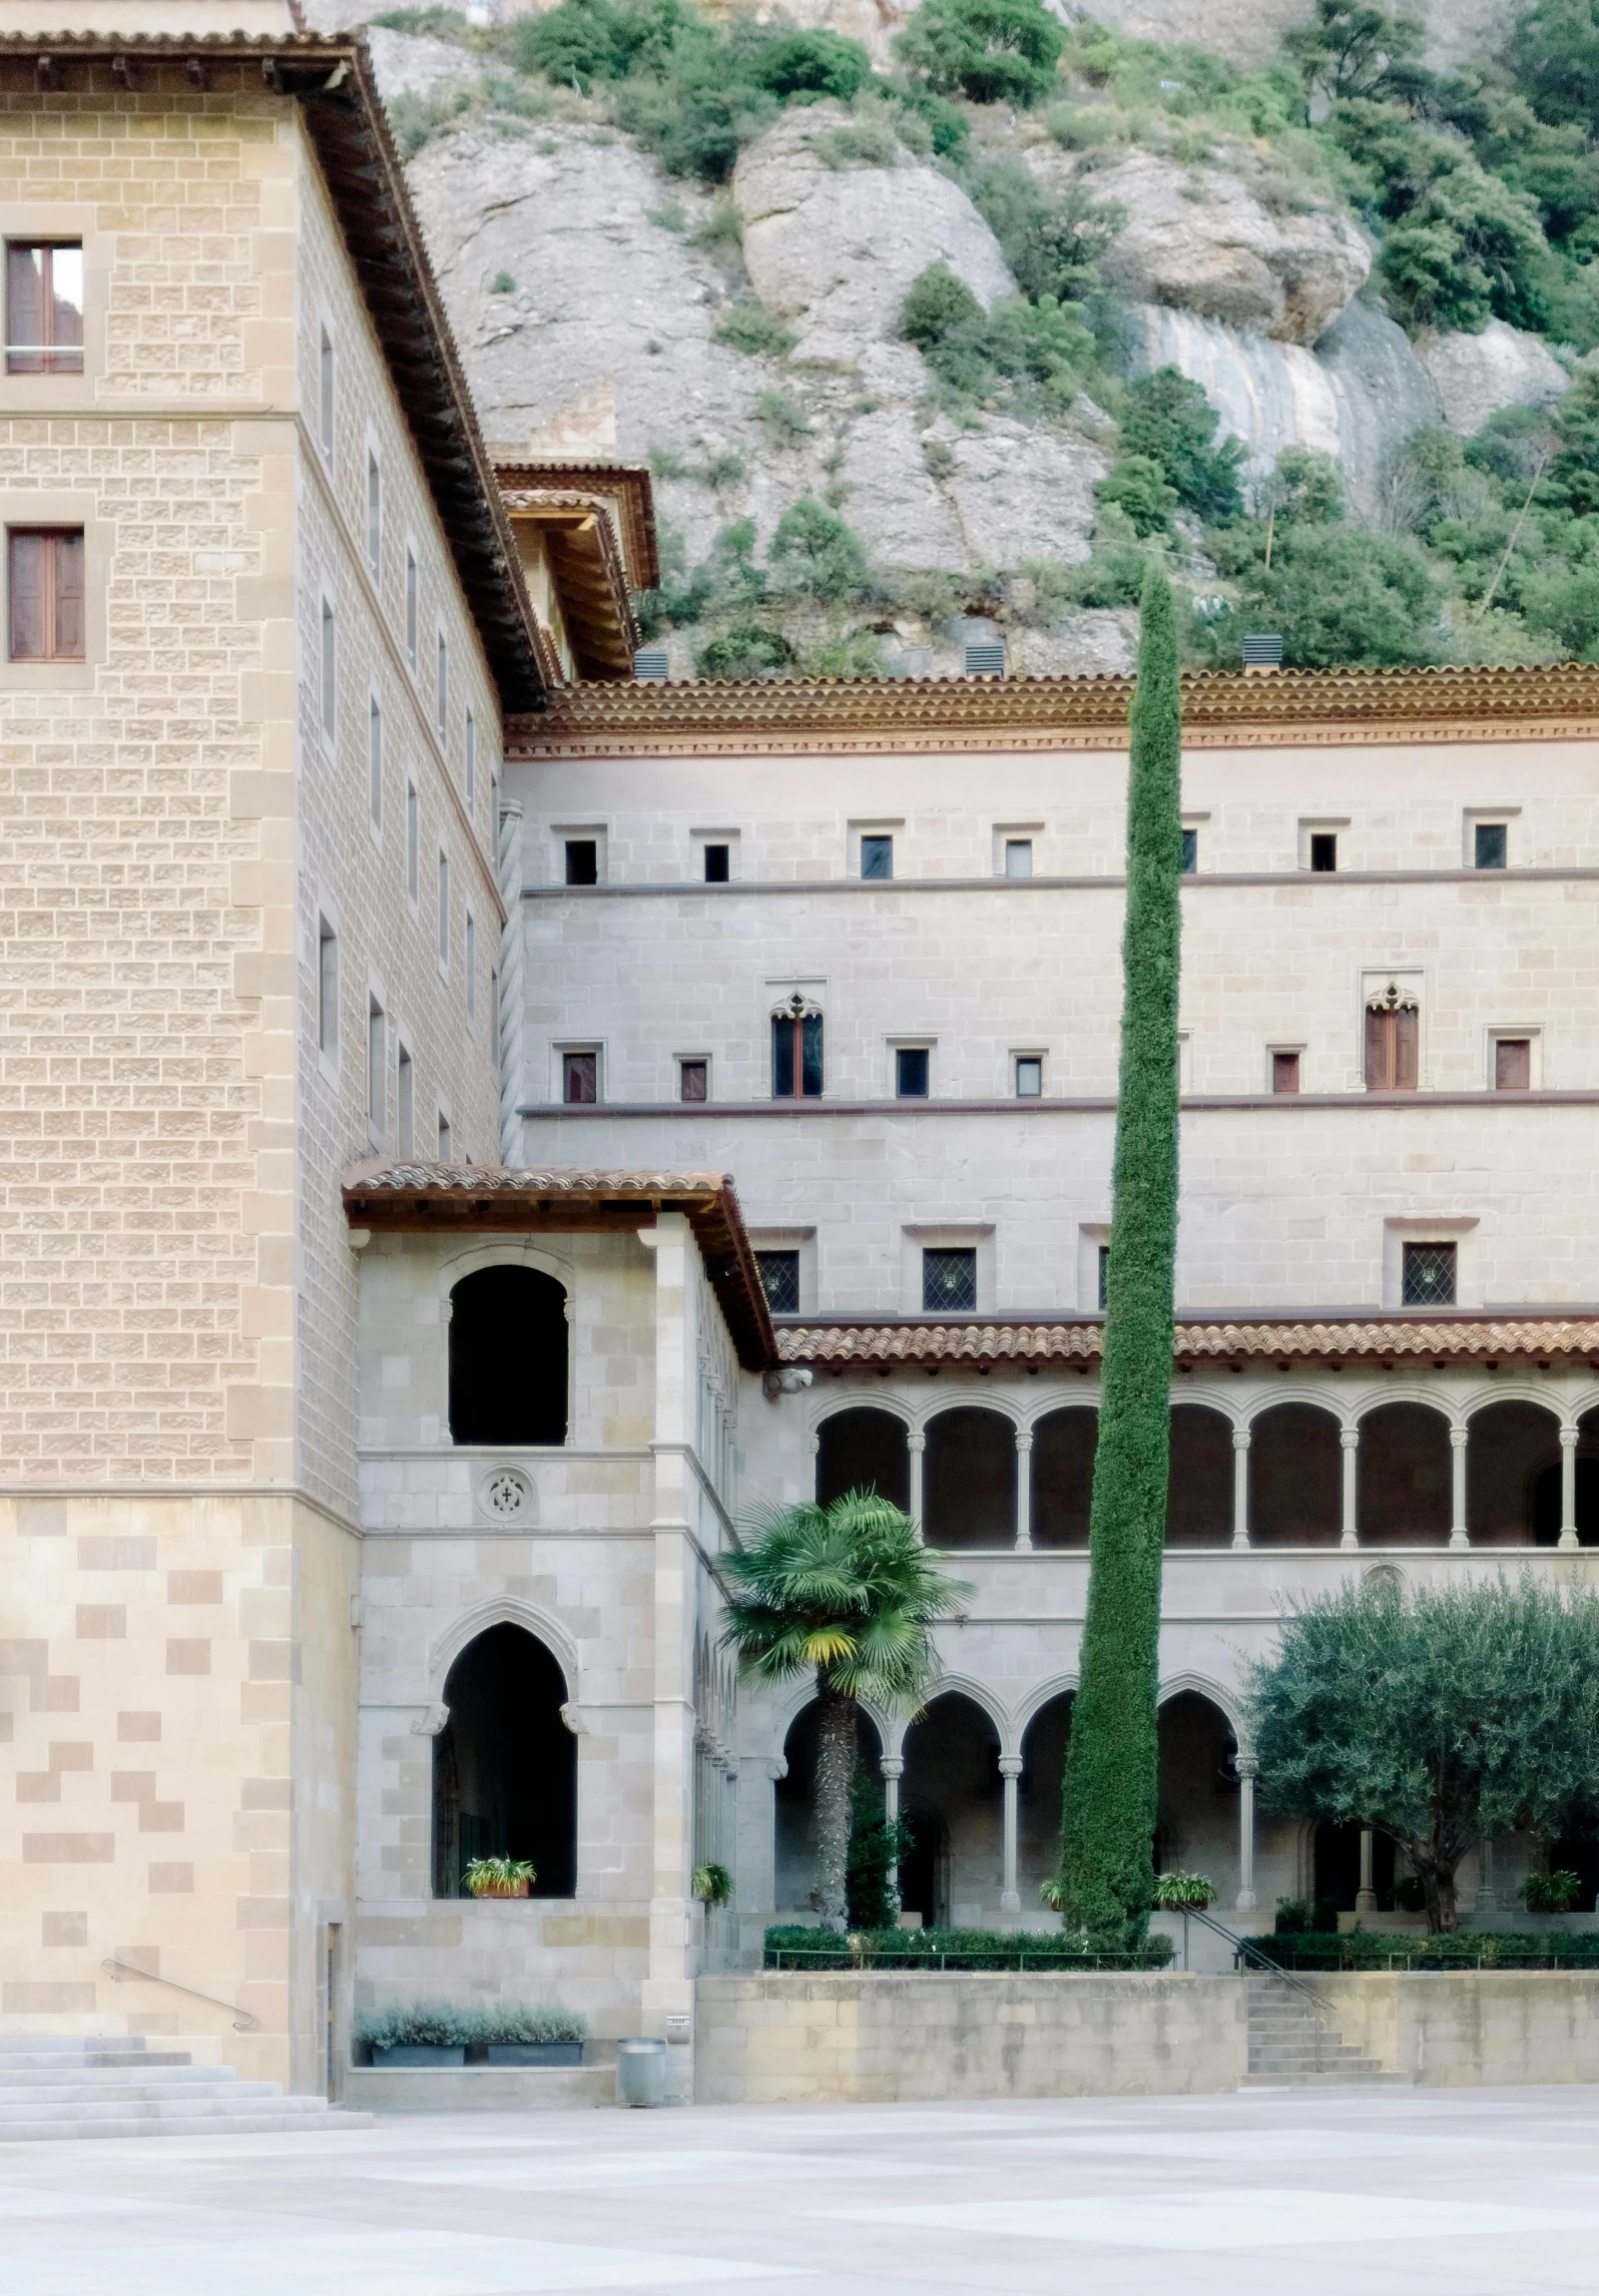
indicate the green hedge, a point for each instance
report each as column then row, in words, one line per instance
column 1461, row 1949
column 791, row 1946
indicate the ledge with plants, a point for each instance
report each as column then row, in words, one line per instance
column 500, row 1877
column 1450, row 1949
column 443, row 2033
column 888, row 1950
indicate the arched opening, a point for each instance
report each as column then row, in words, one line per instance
column 970, row 1479
column 1336, row 1872
column 505, row 1766
column 1197, row 1830
column 1199, row 1489
column 508, row 1345
column 1296, row 1477
column 953, row 1797
column 1511, row 1444
column 1404, row 1479
column 1546, row 1491
column 863, row 1450
column 794, row 1805
column 1038, row 1797
column 1064, row 1444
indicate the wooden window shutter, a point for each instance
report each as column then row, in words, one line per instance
column 1377, row 1049
column 68, row 570
column 27, row 573
column 1407, row 1049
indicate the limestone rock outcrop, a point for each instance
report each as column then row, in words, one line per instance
column 1476, row 375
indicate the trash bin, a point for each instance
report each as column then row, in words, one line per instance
column 641, row 2071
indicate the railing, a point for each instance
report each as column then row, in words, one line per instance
column 1248, row 1954
column 840, row 1958
column 244, row 2019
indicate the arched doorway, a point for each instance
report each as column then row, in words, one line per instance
column 794, row 1804
column 509, row 1358
column 1038, row 1803
column 1336, row 1872
column 505, row 1765
column 952, row 1798
column 1064, row 1444
column 970, row 1479
column 1404, row 1476
column 863, row 1450
column 1296, row 1477
column 1199, row 1489
column 1511, row 1446
column 1197, row 1830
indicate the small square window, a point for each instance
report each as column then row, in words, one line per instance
column 582, row 860
column 1104, row 1276
column 45, row 578
column 877, row 857
column 1324, row 851
column 1029, row 1076
column 949, row 1282
column 1285, row 1072
column 911, row 1073
column 716, row 865
column 1490, row 844
column 1512, row 1063
column 1428, row 1276
column 694, row 1076
column 780, row 1277
column 1190, row 853
column 44, row 308
column 1019, row 856
column 580, row 1078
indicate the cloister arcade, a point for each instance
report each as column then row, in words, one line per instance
column 1394, row 1466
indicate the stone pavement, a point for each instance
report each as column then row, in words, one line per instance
column 1387, row 2192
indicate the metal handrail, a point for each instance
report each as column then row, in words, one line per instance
column 1244, row 1950
column 244, row 2021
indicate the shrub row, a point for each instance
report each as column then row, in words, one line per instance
column 789, row 1946
column 448, row 2024
column 1461, row 1949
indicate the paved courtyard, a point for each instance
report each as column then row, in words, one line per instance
column 1477, row 2193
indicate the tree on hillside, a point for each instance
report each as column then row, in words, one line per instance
column 1440, row 1717
column 992, row 51
column 846, row 1592
column 1109, row 1791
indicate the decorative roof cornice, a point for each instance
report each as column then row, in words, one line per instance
column 331, row 76
column 1220, row 710
column 456, row 1199
column 625, row 485
column 1434, row 1339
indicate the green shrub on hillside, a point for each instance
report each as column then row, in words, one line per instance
column 990, row 51
column 1170, row 420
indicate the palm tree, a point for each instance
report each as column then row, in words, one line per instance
column 848, row 1591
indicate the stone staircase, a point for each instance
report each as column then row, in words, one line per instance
column 1289, row 2047
column 89, row 2085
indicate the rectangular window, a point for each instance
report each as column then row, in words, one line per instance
column 1104, row 1276
column 1029, row 1076
column 796, row 1054
column 446, row 1138
column 877, row 857
column 44, row 574
column 694, row 1077
column 444, row 911
column 44, row 306
column 374, row 762
column 469, row 960
column 414, row 831
column 324, row 393
column 1430, row 1271
column 441, row 694
column 716, row 865
column 405, row 1103
column 582, row 860
column 1019, row 856
column 374, row 511
column 411, row 607
column 326, row 987
column 470, row 747
column 580, row 1078
column 949, row 1282
column 1392, row 1042
column 780, row 1280
column 1490, row 844
column 330, row 671
column 1512, row 1064
column 911, row 1073
column 1285, row 1072
column 1324, row 851
column 1191, row 853
column 377, row 1093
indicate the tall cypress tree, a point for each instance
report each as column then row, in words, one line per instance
column 1110, row 1789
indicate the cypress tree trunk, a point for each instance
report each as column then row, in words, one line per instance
column 1110, row 1787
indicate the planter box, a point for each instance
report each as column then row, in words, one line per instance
column 416, row 2052
column 505, row 1890
column 534, row 2051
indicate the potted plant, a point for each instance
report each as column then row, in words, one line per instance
column 712, row 1885
column 1555, row 1893
column 500, row 1877
column 1184, row 1894
column 512, row 2034
column 418, row 2032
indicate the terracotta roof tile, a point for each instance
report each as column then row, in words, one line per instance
column 1336, row 1340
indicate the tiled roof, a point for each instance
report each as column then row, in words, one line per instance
column 1420, row 1337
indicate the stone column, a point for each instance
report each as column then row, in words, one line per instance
column 1350, row 1441
column 1488, row 1896
column 1458, row 1487
column 916, row 1445
column 1365, row 1895
column 1248, row 1769
column 509, row 870
column 1241, row 1486
column 1568, row 1487
column 1024, row 1493
column 892, row 1767
column 1010, row 1770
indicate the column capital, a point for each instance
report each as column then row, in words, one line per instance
column 1010, row 1765
column 1570, row 1438
column 1459, row 1438
column 1241, row 1438
column 891, row 1766
column 1024, row 1439
column 1247, row 1765
column 1349, row 1439
column 915, row 1441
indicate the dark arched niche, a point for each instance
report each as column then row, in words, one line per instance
column 951, row 1798
column 1064, row 1444
column 970, row 1479
column 1404, row 1476
column 1546, row 1495
column 505, row 1765
column 1199, row 1489
column 1509, row 1446
column 1296, row 1477
column 508, row 1345
column 863, row 1450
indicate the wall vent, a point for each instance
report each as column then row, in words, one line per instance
column 651, row 665
column 985, row 659
column 1263, row 651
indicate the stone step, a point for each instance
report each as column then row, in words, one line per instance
column 108, row 2086
column 258, row 2121
column 125, row 2087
